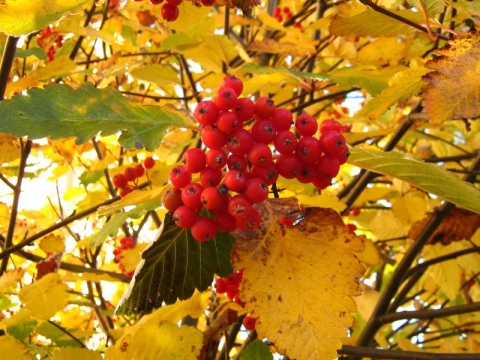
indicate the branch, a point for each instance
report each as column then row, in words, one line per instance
column 402, row 355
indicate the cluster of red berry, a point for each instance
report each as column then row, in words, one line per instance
column 242, row 161
column 128, row 181
column 125, row 243
column 170, row 10
column 229, row 287
column 48, row 37
column 279, row 14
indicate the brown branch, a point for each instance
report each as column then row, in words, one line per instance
column 360, row 351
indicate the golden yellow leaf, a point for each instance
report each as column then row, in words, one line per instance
column 134, row 198
column 453, row 89
column 15, row 349
column 76, row 353
column 46, row 296
column 324, row 200
column 131, row 257
column 369, row 256
column 52, row 244
column 9, row 148
column 10, row 279
column 166, row 342
column 299, row 282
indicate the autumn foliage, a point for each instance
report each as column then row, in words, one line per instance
column 239, row 180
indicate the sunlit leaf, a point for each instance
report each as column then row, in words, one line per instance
column 431, row 7
column 299, row 282
column 157, row 74
column 256, row 350
column 173, row 266
column 258, row 69
column 9, row 148
column 133, row 199
column 22, row 17
column 52, row 244
column 372, row 23
column 452, row 92
column 58, row 111
column 426, row 176
column 69, row 353
column 10, row 278
column 45, row 297
column 15, row 349
column 22, row 330
column 167, row 341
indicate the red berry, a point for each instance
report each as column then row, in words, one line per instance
column 267, row 171
column 127, row 242
column 228, row 122
column 184, row 216
column 207, row 2
column 332, row 142
column 239, row 207
column 239, row 142
column 259, row 154
column 149, row 162
column 174, row 2
column 191, row 195
column 204, row 229
column 350, row 227
column 172, row 199
column 321, row 182
column 264, row 107
column 288, row 166
column 139, row 170
column 308, row 150
column 225, row 222
column 213, row 138
column 244, row 108
column 306, row 174
column 120, row 181
column 216, row 158
column 220, row 285
column 306, row 125
column 251, row 221
column 179, row 176
column 354, row 212
column 210, row 176
column 130, row 174
column 237, row 162
column 206, row 113
column 225, row 98
column 249, row 323
column 234, row 83
column 328, row 166
column 330, row 125
column 211, row 198
column 263, row 131
column 282, row 119
column 235, row 180
column 256, row 190
column 125, row 191
column 170, row 12
column 195, row 160
column 285, row 142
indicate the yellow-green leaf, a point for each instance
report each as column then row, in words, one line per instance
column 9, row 148
column 21, row 17
column 426, row 176
column 453, row 89
column 70, row 353
column 45, row 297
column 166, row 342
column 15, row 349
column 158, row 74
column 299, row 282
column 10, row 279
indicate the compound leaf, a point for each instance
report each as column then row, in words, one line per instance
column 58, row 111
column 173, row 266
column 299, row 282
column 426, row 176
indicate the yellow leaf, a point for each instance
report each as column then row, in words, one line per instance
column 136, row 197
column 324, row 200
column 76, row 353
column 166, row 342
column 452, row 92
column 367, row 301
column 369, row 256
column 15, row 349
column 131, row 257
column 411, row 207
column 9, row 148
column 52, row 244
column 45, row 297
column 299, row 282
column 10, row 279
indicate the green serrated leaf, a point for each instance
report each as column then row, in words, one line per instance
column 21, row 17
column 256, row 350
column 426, row 176
column 22, row 330
column 174, row 266
column 257, row 69
column 58, row 111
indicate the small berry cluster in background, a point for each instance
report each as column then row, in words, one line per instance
column 125, row 243
column 280, row 14
column 229, row 287
column 128, row 181
column 50, row 38
column 170, row 11
column 248, row 146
